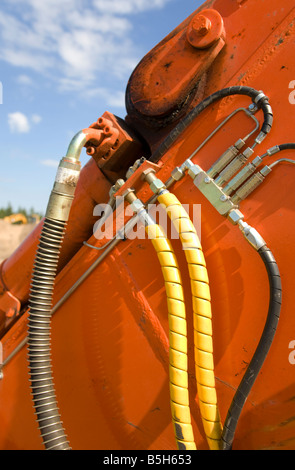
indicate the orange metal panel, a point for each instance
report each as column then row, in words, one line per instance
column 109, row 339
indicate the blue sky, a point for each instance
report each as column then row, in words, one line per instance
column 62, row 64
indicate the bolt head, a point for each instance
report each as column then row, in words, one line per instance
column 205, row 29
column 201, row 25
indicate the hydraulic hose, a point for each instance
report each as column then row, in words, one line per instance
column 257, row 97
column 41, row 296
column 39, row 347
column 261, row 352
column 178, row 360
column 290, row 146
column 204, row 362
column 278, row 148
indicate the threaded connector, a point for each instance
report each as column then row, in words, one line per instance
column 63, row 191
column 251, row 235
column 225, row 158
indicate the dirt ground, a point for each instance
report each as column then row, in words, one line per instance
column 11, row 236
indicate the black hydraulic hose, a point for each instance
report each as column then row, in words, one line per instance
column 257, row 97
column 290, row 146
column 261, row 352
column 39, row 328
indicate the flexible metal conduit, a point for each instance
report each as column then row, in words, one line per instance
column 201, row 299
column 41, row 297
column 39, row 346
column 178, row 360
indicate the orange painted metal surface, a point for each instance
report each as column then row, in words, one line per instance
column 163, row 81
column 110, row 337
column 16, row 271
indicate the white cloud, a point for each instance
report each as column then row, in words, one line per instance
column 36, row 119
column 122, row 7
column 73, row 43
column 111, row 98
column 50, row 163
column 18, row 123
column 24, row 79
column 116, row 100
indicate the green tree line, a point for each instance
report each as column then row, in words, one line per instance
column 9, row 210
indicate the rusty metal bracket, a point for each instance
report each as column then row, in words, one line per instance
column 116, row 147
column 166, row 79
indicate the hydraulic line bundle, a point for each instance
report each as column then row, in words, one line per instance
column 151, row 308
column 225, row 178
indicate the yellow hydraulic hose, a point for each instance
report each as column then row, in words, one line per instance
column 204, row 364
column 178, row 361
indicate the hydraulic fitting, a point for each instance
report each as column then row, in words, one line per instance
column 63, row 191
column 242, row 176
column 250, row 185
column 193, row 170
column 251, row 235
column 67, row 176
column 177, row 173
column 155, row 183
column 189, row 166
column 136, row 204
column 134, row 167
column 222, row 203
column 119, row 183
column 235, row 216
column 225, row 158
column 233, row 167
column 272, row 151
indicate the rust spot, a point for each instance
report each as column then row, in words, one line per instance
column 167, row 66
column 280, row 41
